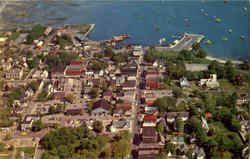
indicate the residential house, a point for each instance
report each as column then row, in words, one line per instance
column 211, row 82
column 149, row 135
column 198, row 153
column 171, row 116
column 138, row 50
column 183, row 115
column 29, row 92
column 28, row 121
column 184, row 82
column 120, row 125
column 243, row 98
column 15, row 73
column 101, row 107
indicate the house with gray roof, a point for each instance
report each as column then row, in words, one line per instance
column 101, row 107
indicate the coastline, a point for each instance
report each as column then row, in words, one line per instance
column 223, row 60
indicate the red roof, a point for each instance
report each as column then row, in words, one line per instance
column 76, row 62
column 208, row 115
column 152, row 73
column 74, row 72
column 149, row 117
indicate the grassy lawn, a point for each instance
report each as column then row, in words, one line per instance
column 226, row 85
column 28, row 152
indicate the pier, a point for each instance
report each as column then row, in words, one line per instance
column 92, row 26
column 185, row 43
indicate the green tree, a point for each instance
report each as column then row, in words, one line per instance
column 169, row 147
column 108, row 51
column 180, row 125
column 7, row 137
column 33, row 85
column 47, row 155
column 162, row 155
column 106, row 154
column 177, row 93
column 189, row 154
column 36, row 32
column 160, row 127
column 64, row 40
column 121, row 149
column 2, row 147
column 37, row 126
column 201, row 53
column 98, row 126
column 165, row 103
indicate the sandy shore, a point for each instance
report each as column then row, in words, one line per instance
column 220, row 60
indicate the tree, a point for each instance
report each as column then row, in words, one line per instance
column 106, row 154
column 98, row 126
column 169, row 147
column 64, row 40
column 33, row 85
column 224, row 142
column 230, row 70
column 189, row 154
column 37, row 126
column 47, row 155
column 70, row 98
column 160, row 127
column 36, row 32
column 7, row 137
column 2, row 147
column 201, row 53
column 180, row 125
column 235, row 125
column 108, row 51
column 121, row 149
column 196, row 46
column 177, row 93
column 165, row 103
column 162, row 155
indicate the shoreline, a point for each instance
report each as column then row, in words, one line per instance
column 224, row 60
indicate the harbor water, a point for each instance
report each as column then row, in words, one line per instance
column 149, row 21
